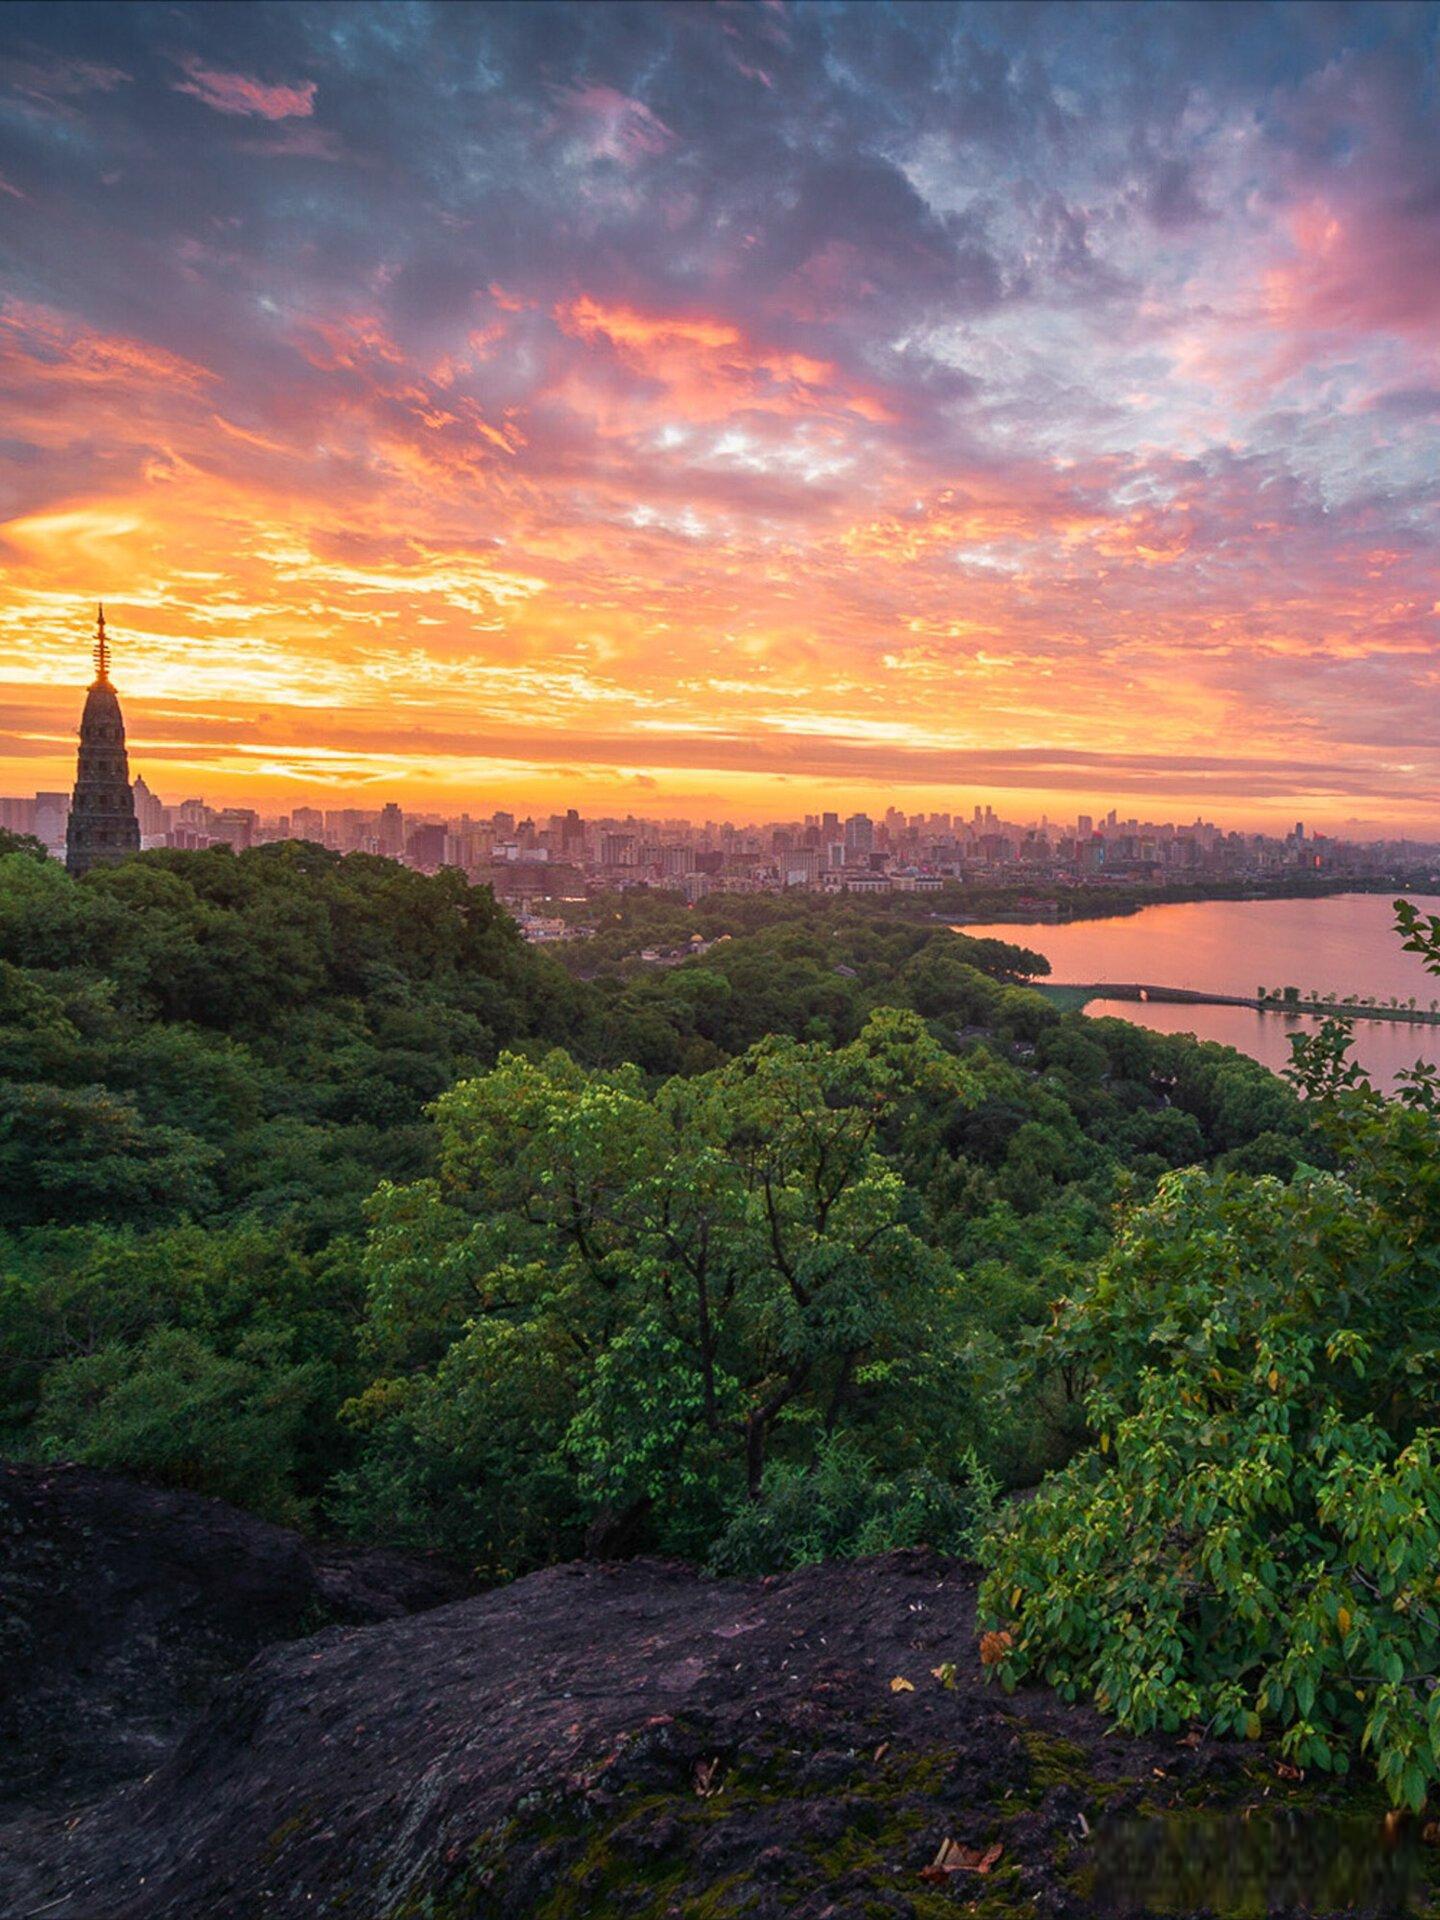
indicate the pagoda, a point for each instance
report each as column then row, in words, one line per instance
column 102, row 828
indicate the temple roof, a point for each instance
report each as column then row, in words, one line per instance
column 102, row 706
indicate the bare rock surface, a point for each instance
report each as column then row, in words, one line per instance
column 634, row 1739
column 122, row 1606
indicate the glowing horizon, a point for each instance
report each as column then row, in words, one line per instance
column 736, row 411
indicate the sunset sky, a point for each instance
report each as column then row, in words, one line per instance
column 729, row 410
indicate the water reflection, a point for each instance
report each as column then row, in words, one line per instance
column 1383, row 1048
column 1345, row 944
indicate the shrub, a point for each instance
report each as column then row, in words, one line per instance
column 1252, row 1541
column 841, row 1508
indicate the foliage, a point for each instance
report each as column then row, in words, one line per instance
column 1252, row 1539
column 582, row 1249
column 173, row 1407
column 839, row 1507
column 685, row 1277
column 216, row 1358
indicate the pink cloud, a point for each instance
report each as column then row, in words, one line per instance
column 238, row 93
column 709, row 368
column 56, row 79
column 1358, row 269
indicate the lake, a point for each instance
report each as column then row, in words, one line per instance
column 1345, row 944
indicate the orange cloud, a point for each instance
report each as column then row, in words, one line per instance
column 709, row 368
column 44, row 348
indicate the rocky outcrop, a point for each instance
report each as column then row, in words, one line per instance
column 635, row 1740
column 122, row 1606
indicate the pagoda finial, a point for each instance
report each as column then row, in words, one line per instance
column 102, row 647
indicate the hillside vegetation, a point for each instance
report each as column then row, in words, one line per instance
column 322, row 1192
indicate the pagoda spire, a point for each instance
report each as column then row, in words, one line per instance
column 102, row 828
column 102, row 650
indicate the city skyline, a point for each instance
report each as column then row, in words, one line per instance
column 102, row 762
column 739, row 411
column 967, row 815
column 111, row 815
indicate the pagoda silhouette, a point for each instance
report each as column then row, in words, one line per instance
column 102, row 828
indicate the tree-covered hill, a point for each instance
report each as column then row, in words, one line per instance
column 284, row 1140
column 321, row 1191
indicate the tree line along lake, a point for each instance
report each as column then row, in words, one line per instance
column 1344, row 947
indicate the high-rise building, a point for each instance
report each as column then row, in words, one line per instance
column 860, row 834
column 52, row 810
column 149, row 812
column 572, row 835
column 102, row 828
column 308, row 823
column 234, row 827
column 392, row 831
column 425, row 847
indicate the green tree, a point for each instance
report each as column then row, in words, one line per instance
column 705, row 1267
column 1251, row 1540
column 81, row 1153
column 173, row 1408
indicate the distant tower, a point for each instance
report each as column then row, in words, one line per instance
column 102, row 827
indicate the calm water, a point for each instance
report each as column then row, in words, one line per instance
column 1346, row 944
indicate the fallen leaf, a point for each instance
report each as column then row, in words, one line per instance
column 995, row 1646
column 705, row 1772
column 953, row 1858
column 882, row 1749
column 1192, row 1739
column 901, row 1685
column 945, row 1674
column 1285, row 1771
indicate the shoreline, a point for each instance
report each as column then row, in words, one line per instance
column 1243, row 895
column 1073, row 996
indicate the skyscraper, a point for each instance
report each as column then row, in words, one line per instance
column 860, row 835
column 102, row 828
column 392, row 831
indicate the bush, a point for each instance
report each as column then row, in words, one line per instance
column 841, row 1508
column 174, row 1410
column 1248, row 1544
column 1252, row 1540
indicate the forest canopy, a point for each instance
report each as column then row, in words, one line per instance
column 323, row 1191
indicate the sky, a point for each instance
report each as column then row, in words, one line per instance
column 731, row 410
